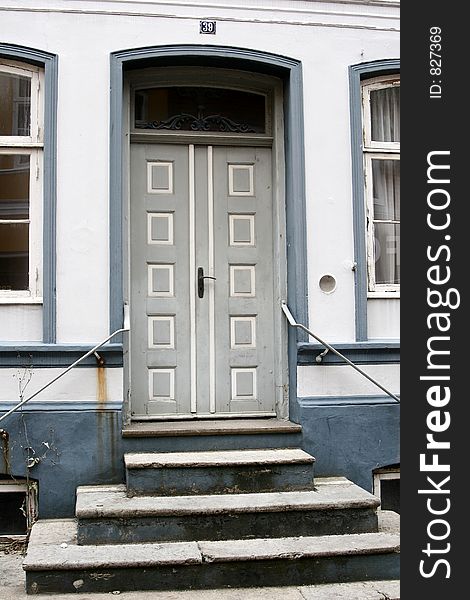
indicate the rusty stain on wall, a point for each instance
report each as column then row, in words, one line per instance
column 101, row 392
column 101, row 396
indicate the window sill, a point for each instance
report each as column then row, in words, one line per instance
column 368, row 352
column 39, row 355
column 20, row 300
column 390, row 295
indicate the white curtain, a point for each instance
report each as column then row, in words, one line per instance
column 385, row 114
column 386, row 189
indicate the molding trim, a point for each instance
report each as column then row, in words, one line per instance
column 290, row 71
column 357, row 352
column 63, row 406
column 43, row 356
column 356, row 74
column 50, row 64
column 339, row 401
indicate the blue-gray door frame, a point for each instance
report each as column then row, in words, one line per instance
column 290, row 71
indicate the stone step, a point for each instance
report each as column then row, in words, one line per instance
column 106, row 515
column 217, row 472
column 55, row 563
column 214, row 434
column 357, row 590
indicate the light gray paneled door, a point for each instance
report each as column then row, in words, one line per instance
column 202, row 280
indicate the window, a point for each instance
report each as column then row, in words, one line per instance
column 200, row 109
column 21, row 156
column 381, row 149
column 387, row 487
column 18, row 506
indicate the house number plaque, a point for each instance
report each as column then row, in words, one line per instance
column 207, row 27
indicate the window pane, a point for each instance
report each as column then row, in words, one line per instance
column 14, row 256
column 385, row 114
column 387, row 253
column 15, row 105
column 200, row 109
column 390, row 495
column 12, row 516
column 386, row 189
column 14, row 186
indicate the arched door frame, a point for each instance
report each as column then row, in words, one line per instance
column 290, row 71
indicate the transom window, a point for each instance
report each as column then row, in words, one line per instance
column 199, row 109
column 381, row 144
column 21, row 153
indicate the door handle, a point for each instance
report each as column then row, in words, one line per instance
column 200, row 281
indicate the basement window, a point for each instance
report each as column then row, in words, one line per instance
column 387, row 487
column 18, row 507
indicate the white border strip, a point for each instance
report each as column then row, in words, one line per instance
column 235, row 395
column 232, row 218
column 210, row 218
column 171, row 341
column 160, row 215
column 192, row 280
column 231, row 187
column 150, row 188
column 171, row 373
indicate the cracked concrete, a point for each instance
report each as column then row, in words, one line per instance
column 12, row 588
column 52, row 546
column 361, row 590
column 112, row 501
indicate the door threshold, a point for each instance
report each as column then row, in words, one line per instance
column 204, row 416
column 238, row 426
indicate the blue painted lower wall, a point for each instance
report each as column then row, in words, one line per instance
column 351, row 439
column 84, row 447
column 73, row 447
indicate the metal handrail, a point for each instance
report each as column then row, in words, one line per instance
column 126, row 327
column 293, row 323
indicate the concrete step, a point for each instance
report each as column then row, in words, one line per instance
column 55, row 563
column 207, row 435
column 218, row 472
column 357, row 590
column 106, row 515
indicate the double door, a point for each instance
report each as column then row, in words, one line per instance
column 201, row 281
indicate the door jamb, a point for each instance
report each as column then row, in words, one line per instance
column 272, row 87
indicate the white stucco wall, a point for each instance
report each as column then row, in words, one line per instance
column 326, row 37
column 341, row 380
column 78, row 385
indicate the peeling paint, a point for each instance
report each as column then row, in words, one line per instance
column 5, row 456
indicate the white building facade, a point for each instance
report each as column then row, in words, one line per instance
column 196, row 165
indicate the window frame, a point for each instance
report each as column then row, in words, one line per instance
column 30, row 489
column 201, row 76
column 384, row 474
column 382, row 151
column 33, row 146
column 371, row 85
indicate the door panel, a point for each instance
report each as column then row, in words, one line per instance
column 159, row 217
column 244, row 288
column 201, row 210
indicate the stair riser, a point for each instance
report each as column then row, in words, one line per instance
column 218, row 480
column 212, row 442
column 304, row 571
column 225, row 527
